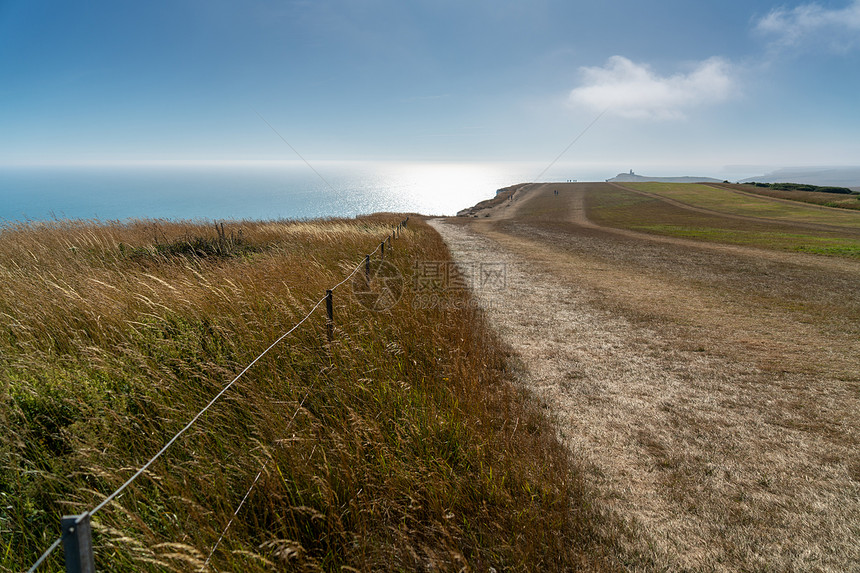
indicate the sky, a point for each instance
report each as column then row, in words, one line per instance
column 730, row 85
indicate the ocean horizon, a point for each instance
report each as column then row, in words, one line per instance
column 245, row 190
column 261, row 189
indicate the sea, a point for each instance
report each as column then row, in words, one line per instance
column 262, row 190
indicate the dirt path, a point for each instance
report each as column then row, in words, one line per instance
column 714, row 406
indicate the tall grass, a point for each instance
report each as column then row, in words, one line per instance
column 400, row 445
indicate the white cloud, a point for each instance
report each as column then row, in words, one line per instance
column 634, row 90
column 838, row 29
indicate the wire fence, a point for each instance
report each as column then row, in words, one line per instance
column 76, row 536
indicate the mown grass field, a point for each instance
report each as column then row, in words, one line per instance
column 718, row 215
column 727, row 202
column 812, row 197
column 711, row 389
column 401, row 445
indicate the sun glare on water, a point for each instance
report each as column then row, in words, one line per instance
column 445, row 188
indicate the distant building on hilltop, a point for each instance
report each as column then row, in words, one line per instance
column 631, row 177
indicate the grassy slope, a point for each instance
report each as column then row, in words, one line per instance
column 814, row 197
column 776, row 228
column 400, row 446
column 725, row 201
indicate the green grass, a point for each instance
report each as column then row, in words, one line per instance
column 401, row 445
column 784, row 241
column 725, row 201
column 623, row 208
column 814, row 197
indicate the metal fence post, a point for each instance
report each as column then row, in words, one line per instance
column 78, row 543
column 329, row 310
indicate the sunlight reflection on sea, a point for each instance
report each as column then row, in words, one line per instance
column 254, row 189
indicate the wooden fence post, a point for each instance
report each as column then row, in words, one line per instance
column 367, row 269
column 382, row 250
column 78, row 543
column 329, row 309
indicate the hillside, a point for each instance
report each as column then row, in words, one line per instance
column 823, row 176
column 634, row 178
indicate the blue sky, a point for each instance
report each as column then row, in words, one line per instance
column 752, row 83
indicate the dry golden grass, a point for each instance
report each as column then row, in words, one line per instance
column 711, row 390
column 398, row 446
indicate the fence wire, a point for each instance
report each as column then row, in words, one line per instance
column 152, row 460
column 254, row 483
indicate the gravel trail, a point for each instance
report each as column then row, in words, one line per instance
column 713, row 436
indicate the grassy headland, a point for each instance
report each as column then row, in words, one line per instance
column 724, row 201
column 401, row 445
column 827, row 196
column 707, row 213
